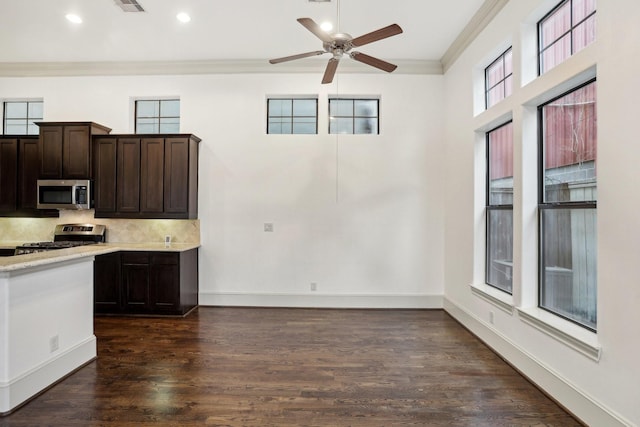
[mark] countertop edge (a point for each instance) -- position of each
(22, 262)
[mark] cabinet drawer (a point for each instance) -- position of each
(165, 258)
(135, 258)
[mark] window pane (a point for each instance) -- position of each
(15, 127)
(279, 107)
(366, 107)
(582, 9)
(33, 129)
(170, 108)
(148, 108)
(570, 143)
(35, 110)
(494, 95)
(568, 285)
(500, 248)
(147, 126)
(556, 53)
(555, 25)
(340, 125)
(584, 34)
(169, 125)
(341, 107)
(279, 125)
(495, 72)
(508, 86)
(366, 125)
(304, 125)
(15, 110)
(500, 168)
(508, 62)
(304, 107)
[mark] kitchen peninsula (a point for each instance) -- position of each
(46, 316)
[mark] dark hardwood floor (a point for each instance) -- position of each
(291, 367)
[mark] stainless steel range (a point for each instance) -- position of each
(67, 236)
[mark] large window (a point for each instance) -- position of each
(158, 116)
(567, 29)
(498, 78)
(567, 209)
(19, 117)
(499, 211)
(354, 116)
(292, 115)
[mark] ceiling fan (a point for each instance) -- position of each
(341, 43)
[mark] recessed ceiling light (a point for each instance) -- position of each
(326, 26)
(72, 17)
(183, 17)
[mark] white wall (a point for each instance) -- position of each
(600, 392)
(360, 216)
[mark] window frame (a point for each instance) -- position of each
(292, 116)
(544, 206)
(501, 82)
(27, 119)
(159, 117)
(495, 207)
(569, 32)
(353, 117)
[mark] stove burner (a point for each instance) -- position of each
(31, 248)
(66, 236)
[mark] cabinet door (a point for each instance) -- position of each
(164, 282)
(135, 282)
(51, 152)
(152, 175)
(176, 175)
(128, 171)
(104, 168)
(76, 152)
(107, 283)
(28, 174)
(8, 175)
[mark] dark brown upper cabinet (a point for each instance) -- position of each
(65, 149)
(19, 160)
(146, 176)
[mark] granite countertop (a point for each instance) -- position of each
(19, 262)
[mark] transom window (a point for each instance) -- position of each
(158, 116)
(499, 209)
(567, 29)
(19, 117)
(353, 116)
(499, 78)
(567, 208)
(292, 116)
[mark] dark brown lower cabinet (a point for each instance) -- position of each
(143, 282)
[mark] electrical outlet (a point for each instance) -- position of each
(268, 227)
(54, 343)
(313, 286)
(167, 240)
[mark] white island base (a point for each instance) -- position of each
(46, 326)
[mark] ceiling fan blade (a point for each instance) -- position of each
(374, 62)
(330, 71)
(310, 25)
(298, 56)
(382, 33)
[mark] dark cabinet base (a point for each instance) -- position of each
(146, 283)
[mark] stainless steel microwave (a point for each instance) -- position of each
(64, 194)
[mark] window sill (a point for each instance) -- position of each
(570, 334)
(500, 299)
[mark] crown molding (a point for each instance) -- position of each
(478, 22)
(251, 66)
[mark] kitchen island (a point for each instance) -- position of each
(46, 316)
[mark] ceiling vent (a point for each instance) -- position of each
(129, 5)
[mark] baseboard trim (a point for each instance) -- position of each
(319, 300)
(20, 390)
(582, 406)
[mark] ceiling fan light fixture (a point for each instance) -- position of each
(326, 26)
(183, 17)
(72, 17)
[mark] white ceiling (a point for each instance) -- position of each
(232, 30)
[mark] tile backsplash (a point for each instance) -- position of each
(118, 230)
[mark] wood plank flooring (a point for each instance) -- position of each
(291, 367)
